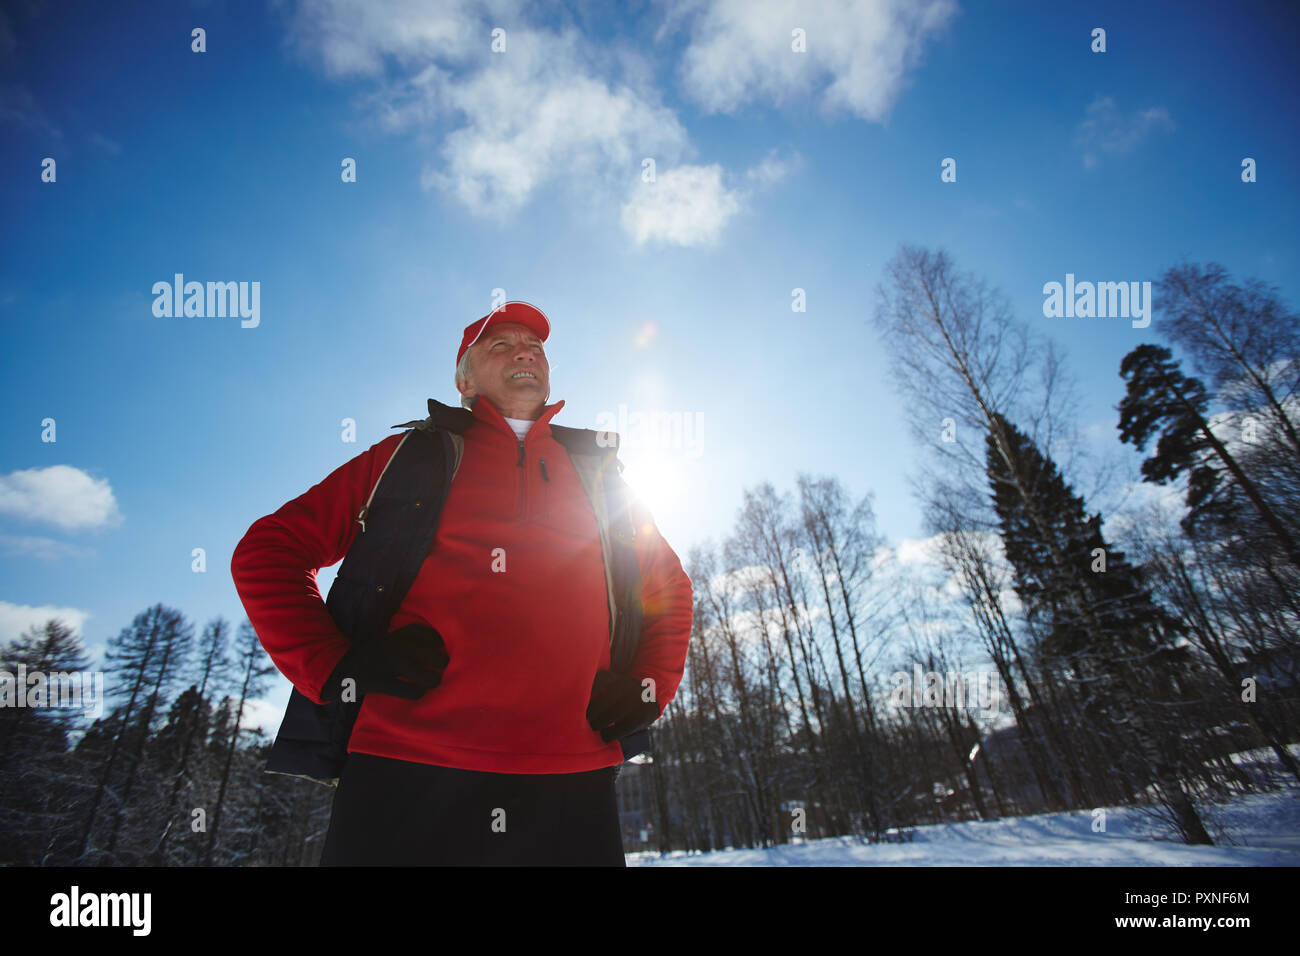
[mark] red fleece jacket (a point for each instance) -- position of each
(514, 582)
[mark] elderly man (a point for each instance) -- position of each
(493, 713)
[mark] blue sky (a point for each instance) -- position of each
(521, 170)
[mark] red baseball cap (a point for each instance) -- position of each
(524, 313)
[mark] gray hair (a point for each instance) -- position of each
(462, 375)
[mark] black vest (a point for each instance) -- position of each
(397, 529)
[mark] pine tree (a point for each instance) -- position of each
(143, 660)
(1097, 617)
(189, 724)
(1160, 399)
(52, 649)
(172, 750)
(256, 667)
(33, 741)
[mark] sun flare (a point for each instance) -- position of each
(656, 483)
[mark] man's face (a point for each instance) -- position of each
(508, 367)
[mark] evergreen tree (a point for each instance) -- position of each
(180, 742)
(256, 668)
(1161, 400)
(144, 659)
(50, 650)
(1096, 616)
(34, 739)
(173, 751)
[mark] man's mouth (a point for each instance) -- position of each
(523, 374)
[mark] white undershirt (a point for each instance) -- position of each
(520, 426)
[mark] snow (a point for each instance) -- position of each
(1260, 829)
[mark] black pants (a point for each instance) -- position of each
(398, 813)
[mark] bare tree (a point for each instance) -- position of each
(956, 346)
(841, 540)
(256, 667)
(1242, 337)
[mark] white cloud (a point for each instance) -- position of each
(263, 715)
(18, 107)
(548, 110)
(15, 619)
(1104, 129)
(922, 560)
(353, 37)
(919, 551)
(858, 52)
(60, 495)
(740, 579)
(772, 169)
(687, 205)
(538, 116)
(43, 549)
(1144, 508)
(414, 102)
(690, 205)
(555, 109)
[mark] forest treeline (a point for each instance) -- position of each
(836, 685)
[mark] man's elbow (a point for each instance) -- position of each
(243, 550)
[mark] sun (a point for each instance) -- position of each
(656, 483)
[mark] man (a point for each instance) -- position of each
(490, 721)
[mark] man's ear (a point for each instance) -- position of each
(466, 388)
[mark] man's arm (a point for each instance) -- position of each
(667, 600)
(274, 568)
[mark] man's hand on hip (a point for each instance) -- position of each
(404, 663)
(619, 705)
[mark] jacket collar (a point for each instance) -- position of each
(458, 419)
(489, 414)
(583, 441)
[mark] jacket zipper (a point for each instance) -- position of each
(523, 483)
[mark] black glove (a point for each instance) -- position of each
(616, 707)
(407, 662)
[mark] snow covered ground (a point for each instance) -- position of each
(1262, 829)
